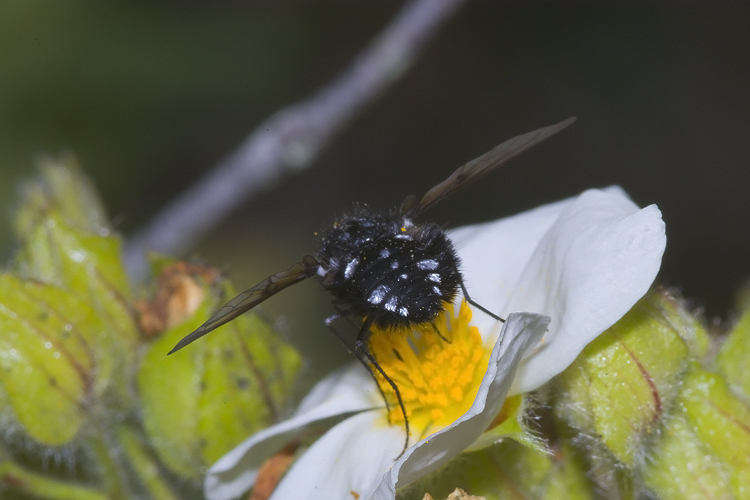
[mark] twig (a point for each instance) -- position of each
(292, 138)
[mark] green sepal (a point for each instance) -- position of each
(509, 470)
(601, 467)
(620, 385)
(511, 425)
(734, 355)
(54, 251)
(681, 469)
(52, 357)
(721, 421)
(88, 265)
(673, 312)
(705, 447)
(63, 187)
(139, 458)
(203, 400)
(61, 225)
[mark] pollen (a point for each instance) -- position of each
(437, 368)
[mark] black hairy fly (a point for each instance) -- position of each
(382, 268)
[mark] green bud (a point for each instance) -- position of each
(90, 267)
(65, 241)
(203, 400)
(63, 187)
(68, 331)
(705, 447)
(721, 421)
(674, 313)
(733, 356)
(510, 470)
(603, 468)
(86, 265)
(51, 360)
(621, 384)
(680, 468)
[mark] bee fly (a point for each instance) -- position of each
(383, 269)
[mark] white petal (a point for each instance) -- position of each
(519, 332)
(494, 255)
(344, 392)
(350, 382)
(589, 269)
(347, 462)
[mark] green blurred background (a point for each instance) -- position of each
(150, 95)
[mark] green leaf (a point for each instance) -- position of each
(51, 357)
(620, 385)
(203, 400)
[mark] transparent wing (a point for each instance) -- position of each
(480, 166)
(252, 297)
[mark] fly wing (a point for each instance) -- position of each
(478, 167)
(252, 297)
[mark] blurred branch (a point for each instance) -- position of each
(292, 138)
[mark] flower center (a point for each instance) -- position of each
(437, 368)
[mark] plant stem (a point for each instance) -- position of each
(15, 477)
(143, 464)
(111, 472)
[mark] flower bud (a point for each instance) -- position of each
(89, 267)
(83, 264)
(619, 387)
(201, 401)
(65, 241)
(63, 187)
(510, 470)
(51, 362)
(704, 450)
(68, 332)
(734, 354)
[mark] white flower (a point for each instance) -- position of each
(583, 262)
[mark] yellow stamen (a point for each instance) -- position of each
(438, 380)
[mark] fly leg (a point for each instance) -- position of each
(354, 351)
(361, 345)
(477, 305)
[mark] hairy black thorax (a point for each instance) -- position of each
(379, 265)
